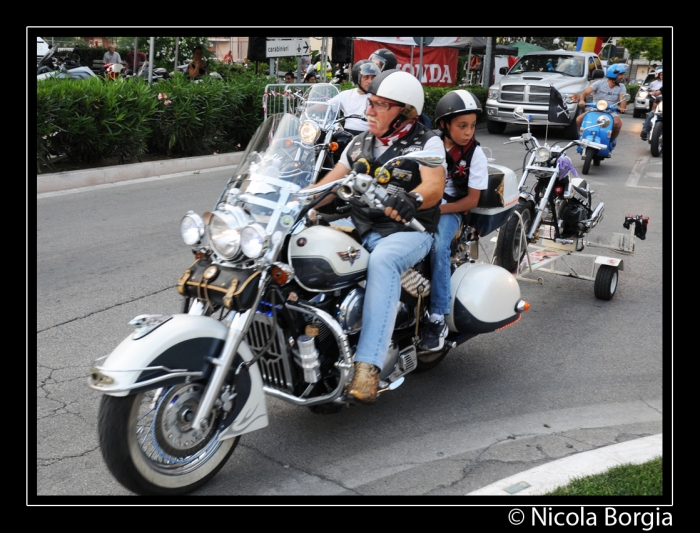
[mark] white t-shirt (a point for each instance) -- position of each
(352, 102)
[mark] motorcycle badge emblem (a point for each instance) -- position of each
(352, 255)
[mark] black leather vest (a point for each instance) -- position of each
(458, 171)
(404, 175)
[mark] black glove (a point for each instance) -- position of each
(403, 203)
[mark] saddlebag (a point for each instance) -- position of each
(219, 285)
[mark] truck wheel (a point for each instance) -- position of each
(571, 131)
(495, 127)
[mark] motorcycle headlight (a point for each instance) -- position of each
(224, 232)
(253, 241)
(192, 228)
(542, 154)
(309, 131)
(602, 105)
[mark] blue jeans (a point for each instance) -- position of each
(391, 256)
(440, 263)
(647, 122)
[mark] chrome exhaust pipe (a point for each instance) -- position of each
(596, 217)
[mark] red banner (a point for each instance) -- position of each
(439, 63)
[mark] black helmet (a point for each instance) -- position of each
(459, 102)
(364, 67)
(384, 59)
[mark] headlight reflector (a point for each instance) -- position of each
(192, 228)
(542, 154)
(224, 231)
(309, 131)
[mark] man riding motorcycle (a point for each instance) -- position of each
(610, 89)
(414, 191)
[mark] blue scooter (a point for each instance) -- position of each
(596, 130)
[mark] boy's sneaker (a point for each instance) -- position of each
(434, 336)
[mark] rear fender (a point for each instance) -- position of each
(484, 298)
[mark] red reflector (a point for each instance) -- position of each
(333, 146)
(558, 190)
(279, 276)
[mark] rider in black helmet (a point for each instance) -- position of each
(384, 59)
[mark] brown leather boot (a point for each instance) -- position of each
(365, 383)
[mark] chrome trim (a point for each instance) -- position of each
(172, 373)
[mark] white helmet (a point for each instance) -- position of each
(401, 87)
(658, 71)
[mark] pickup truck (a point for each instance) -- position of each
(527, 85)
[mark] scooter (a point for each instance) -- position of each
(596, 130)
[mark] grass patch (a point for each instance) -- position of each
(645, 479)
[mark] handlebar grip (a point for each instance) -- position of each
(515, 138)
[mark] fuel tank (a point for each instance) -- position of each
(326, 259)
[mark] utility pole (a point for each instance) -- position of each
(486, 79)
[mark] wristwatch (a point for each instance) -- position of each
(417, 197)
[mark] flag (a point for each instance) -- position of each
(558, 112)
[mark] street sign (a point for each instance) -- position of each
(426, 40)
(287, 47)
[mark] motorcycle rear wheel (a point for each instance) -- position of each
(657, 139)
(148, 446)
(430, 360)
(509, 247)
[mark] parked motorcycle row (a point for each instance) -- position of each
(272, 298)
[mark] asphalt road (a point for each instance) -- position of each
(574, 374)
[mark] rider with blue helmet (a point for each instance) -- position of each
(612, 89)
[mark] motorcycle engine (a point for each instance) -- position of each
(571, 215)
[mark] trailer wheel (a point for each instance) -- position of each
(605, 282)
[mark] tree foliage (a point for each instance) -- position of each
(164, 48)
(651, 48)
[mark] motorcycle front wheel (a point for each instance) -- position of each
(591, 153)
(510, 244)
(149, 446)
(657, 139)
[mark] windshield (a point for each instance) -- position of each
(319, 107)
(276, 164)
(568, 65)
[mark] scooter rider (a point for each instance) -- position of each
(611, 89)
(456, 115)
(655, 90)
(395, 101)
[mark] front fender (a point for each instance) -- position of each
(176, 351)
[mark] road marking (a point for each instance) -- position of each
(639, 170)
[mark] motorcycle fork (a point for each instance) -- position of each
(542, 205)
(236, 333)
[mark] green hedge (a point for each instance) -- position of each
(95, 119)
(90, 120)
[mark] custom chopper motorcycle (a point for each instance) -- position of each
(552, 198)
(272, 305)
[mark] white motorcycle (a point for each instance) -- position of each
(272, 306)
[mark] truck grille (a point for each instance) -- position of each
(523, 94)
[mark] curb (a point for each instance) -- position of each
(61, 181)
(549, 476)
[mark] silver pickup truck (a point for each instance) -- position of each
(527, 84)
